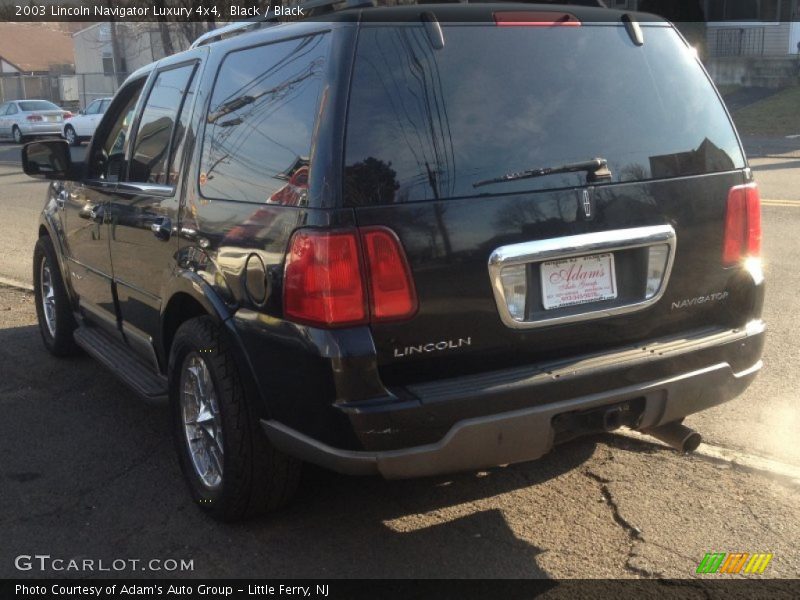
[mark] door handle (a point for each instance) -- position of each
(162, 228)
(61, 199)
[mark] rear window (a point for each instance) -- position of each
(426, 123)
(260, 123)
(30, 105)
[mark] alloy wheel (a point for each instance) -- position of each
(48, 297)
(202, 422)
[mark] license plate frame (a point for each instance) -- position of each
(577, 280)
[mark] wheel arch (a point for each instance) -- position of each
(50, 229)
(189, 297)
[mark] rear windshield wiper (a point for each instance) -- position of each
(596, 170)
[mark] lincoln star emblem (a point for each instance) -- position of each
(587, 204)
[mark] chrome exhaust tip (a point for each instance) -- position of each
(677, 436)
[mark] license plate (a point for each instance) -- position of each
(572, 281)
(51, 119)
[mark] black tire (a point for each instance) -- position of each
(256, 478)
(60, 341)
(76, 141)
(16, 135)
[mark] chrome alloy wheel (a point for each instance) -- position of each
(48, 296)
(202, 423)
(69, 133)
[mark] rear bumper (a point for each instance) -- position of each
(53, 128)
(510, 436)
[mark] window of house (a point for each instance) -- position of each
(744, 10)
(108, 65)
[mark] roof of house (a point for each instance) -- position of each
(35, 46)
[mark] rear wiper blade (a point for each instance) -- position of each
(596, 170)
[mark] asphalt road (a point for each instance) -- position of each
(90, 472)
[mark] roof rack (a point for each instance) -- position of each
(326, 6)
(238, 28)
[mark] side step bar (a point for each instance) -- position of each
(116, 357)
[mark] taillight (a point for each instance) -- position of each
(34, 117)
(742, 224)
(328, 283)
(535, 19)
(68, 115)
(391, 288)
(322, 281)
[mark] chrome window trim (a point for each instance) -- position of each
(579, 245)
(150, 189)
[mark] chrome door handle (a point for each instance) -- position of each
(162, 228)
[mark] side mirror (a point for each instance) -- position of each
(81, 112)
(49, 159)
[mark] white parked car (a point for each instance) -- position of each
(81, 126)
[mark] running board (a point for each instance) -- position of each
(121, 361)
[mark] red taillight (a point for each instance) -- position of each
(34, 117)
(322, 283)
(68, 115)
(535, 19)
(742, 224)
(391, 287)
(325, 283)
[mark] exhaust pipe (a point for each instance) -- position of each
(677, 436)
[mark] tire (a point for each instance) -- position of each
(53, 306)
(16, 133)
(71, 136)
(254, 477)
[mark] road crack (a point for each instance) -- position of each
(634, 533)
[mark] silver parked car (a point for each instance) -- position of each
(20, 119)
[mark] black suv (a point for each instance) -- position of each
(408, 241)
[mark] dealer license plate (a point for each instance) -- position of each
(579, 280)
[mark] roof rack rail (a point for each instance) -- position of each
(240, 27)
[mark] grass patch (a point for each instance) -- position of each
(777, 115)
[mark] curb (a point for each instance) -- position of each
(789, 473)
(15, 283)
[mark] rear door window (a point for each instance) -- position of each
(151, 153)
(428, 123)
(261, 120)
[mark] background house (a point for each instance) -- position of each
(742, 42)
(106, 53)
(33, 59)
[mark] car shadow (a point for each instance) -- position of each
(90, 470)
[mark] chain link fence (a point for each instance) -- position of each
(72, 92)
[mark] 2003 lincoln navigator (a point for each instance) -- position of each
(408, 241)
